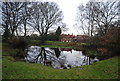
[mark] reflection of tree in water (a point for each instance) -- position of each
(41, 55)
(57, 52)
(48, 56)
(86, 60)
(55, 58)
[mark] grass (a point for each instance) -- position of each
(59, 44)
(12, 69)
(7, 50)
(0, 59)
(55, 46)
(106, 69)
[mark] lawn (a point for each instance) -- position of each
(12, 69)
(58, 44)
(106, 69)
(55, 46)
(0, 59)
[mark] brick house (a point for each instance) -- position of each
(67, 38)
(70, 38)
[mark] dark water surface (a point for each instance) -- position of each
(58, 58)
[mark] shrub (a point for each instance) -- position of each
(19, 45)
(111, 40)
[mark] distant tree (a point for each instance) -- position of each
(80, 18)
(58, 33)
(34, 37)
(55, 36)
(105, 13)
(51, 37)
(85, 18)
(96, 17)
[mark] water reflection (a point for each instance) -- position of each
(58, 58)
(57, 52)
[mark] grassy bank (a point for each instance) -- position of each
(58, 44)
(106, 69)
(12, 69)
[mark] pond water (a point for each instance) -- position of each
(58, 58)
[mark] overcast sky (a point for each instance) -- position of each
(69, 9)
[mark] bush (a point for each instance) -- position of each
(111, 41)
(19, 45)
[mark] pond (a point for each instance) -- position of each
(60, 58)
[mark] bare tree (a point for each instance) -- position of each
(81, 18)
(11, 16)
(105, 13)
(44, 15)
(98, 16)
(90, 17)
(85, 18)
(5, 20)
(25, 17)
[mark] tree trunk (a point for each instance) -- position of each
(25, 30)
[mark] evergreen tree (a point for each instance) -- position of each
(58, 32)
